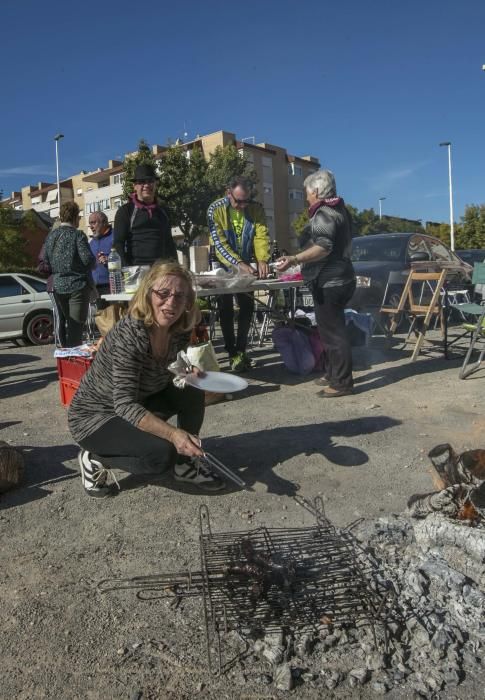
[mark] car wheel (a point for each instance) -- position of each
(39, 328)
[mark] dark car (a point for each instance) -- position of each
(386, 258)
(471, 256)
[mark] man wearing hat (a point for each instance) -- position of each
(142, 229)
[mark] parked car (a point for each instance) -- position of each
(25, 309)
(471, 256)
(387, 257)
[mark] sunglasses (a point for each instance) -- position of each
(144, 182)
(165, 294)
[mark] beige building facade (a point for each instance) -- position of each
(280, 185)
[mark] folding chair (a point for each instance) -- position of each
(475, 328)
(417, 311)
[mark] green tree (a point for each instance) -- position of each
(142, 156)
(12, 244)
(471, 232)
(300, 222)
(184, 190)
(224, 163)
(441, 231)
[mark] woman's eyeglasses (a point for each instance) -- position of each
(165, 294)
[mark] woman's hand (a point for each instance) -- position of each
(196, 371)
(186, 444)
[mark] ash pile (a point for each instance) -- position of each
(394, 605)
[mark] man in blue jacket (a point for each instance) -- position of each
(101, 244)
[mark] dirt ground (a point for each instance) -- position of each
(364, 454)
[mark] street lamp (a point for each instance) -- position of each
(57, 138)
(452, 225)
(381, 199)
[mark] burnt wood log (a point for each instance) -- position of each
(11, 467)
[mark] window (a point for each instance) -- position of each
(296, 194)
(268, 189)
(418, 245)
(9, 287)
(439, 251)
(118, 179)
(117, 203)
(379, 249)
(294, 169)
(268, 162)
(79, 190)
(38, 285)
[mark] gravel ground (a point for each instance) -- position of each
(364, 454)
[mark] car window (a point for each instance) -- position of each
(379, 249)
(417, 244)
(10, 287)
(439, 251)
(38, 285)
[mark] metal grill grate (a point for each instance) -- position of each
(324, 577)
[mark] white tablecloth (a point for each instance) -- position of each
(260, 285)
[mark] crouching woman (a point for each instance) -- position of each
(119, 414)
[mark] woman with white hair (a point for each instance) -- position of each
(326, 244)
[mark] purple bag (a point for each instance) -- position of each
(318, 349)
(295, 349)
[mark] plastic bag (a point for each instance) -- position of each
(204, 357)
(295, 349)
(132, 277)
(221, 278)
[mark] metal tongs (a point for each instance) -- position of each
(217, 466)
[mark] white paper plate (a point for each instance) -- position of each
(217, 381)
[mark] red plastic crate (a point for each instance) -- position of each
(71, 371)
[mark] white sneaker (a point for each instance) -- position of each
(195, 472)
(94, 476)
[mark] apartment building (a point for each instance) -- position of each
(280, 185)
(280, 180)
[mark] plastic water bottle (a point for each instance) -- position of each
(114, 270)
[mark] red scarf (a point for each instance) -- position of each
(329, 202)
(142, 205)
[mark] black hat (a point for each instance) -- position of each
(144, 172)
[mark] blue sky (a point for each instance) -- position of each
(370, 88)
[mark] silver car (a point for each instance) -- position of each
(25, 309)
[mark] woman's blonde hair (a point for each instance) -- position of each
(141, 306)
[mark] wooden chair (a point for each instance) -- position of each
(419, 313)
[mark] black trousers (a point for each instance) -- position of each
(73, 312)
(329, 314)
(121, 445)
(225, 304)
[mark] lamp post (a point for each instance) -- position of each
(381, 199)
(452, 226)
(57, 138)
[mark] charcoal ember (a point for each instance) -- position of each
(380, 688)
(303, 645)
(452, 675)
(282, 677)
(332, 678)
(375, 662)
(264, 679)
(274, 651)
(358, 676)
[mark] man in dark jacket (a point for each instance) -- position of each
(101, 243)
(142, 229)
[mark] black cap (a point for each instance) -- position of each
(145, 171)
